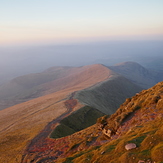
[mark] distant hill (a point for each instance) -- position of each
(54, 79)
(35, 85)
(139, 75)
(31, 86)
(26, 82)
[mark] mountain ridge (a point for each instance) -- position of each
(16, 92)
(31, 86)
(25, 121)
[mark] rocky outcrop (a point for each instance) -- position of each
(108, 132)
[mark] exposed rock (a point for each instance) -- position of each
(100, 126)
(102, 152)
(107, 132)
(130, 146)
(141, 161)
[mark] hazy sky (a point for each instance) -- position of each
(45, 21)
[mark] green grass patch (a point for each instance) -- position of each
(69, 159)
(79, 120)
(138, 140)
(110, 148)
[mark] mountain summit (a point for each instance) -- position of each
(138, 74)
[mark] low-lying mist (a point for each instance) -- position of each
(16, 61)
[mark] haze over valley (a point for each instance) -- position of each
(81, 81)
(16, 61)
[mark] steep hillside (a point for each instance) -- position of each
(103, 95)
(131, 135)
(138, 74)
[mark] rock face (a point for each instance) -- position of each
(107, 132)
(130, 146)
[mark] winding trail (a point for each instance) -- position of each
(41, 146)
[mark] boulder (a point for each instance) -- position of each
(141, 161)
(130, 146)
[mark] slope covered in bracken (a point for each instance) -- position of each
(138, 121)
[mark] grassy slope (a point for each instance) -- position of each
(83, 118)
(144, 128)
(23, 83)
(21, 123)
(108, 95)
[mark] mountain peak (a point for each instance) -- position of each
(136, 73)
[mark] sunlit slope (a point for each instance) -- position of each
(23, 83)
(31, 86)
(22, 122)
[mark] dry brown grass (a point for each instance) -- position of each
(21, 123)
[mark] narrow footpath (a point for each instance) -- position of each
(42, 148)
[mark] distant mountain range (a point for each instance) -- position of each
(34, 85)
(36, 104)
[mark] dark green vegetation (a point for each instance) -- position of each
(77, 121)
(107, 96)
